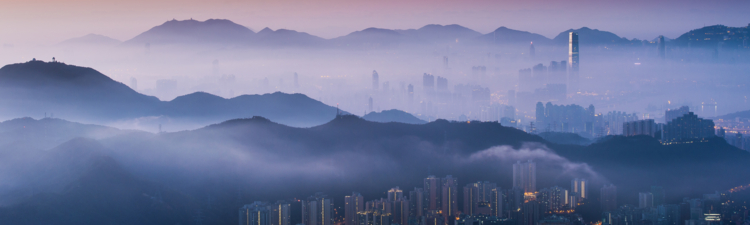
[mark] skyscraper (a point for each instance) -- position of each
(417, 202)
(497, 202)
(645, 200)
(450, 197)
(255, 214)
(432, 192)
(280, 213)
(471, 198)
(578, 187)
(317, 210)
(608, 197)
(524, 176)
(661, 47)
(658, 195)
(395, 194)
(672, 114)
(532, 51)
(354, 204)
(573, 76)
(375, 80)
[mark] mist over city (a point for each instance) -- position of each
(375, 113)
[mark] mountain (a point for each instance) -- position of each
(393, 115)
(372, 38)
(741, 114)
(587, 36)
(711, 36)
(565, 138)
(286, 38)
(84, 94)
(193, 32)
(439, 34)
(24, 132)
(504, 35)
(90, 40)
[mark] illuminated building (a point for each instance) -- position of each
(687, 127)
(556, 198)
(672, 114)
(354, 204)
(432, 192)
(497, 202)
(524, 176)
(471, 197)
(608, 198)
(579, 188)
(573, 76)
(639, 127)
(280, 213)
(255, 214)
(395, 194)
(317, 210)
(449, 198)
(417, 202)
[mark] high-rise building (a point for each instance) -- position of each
(645, 200)
(530, 212)
(280, 213)
(375, 80)
(400, 211)
(471, 198)
(442, 84)
(433, 192)
(672, 114)
(524, 176)
(497, 202)
(639, 127)
(579, 188)
(354, 204)
(317, 210)
(557, 198)
(449, 198)
(395, 194)
(661, 47)
(532, 51)
(573, 76)
(686, 127)
(428, 82)
(657, 192)
(255, 214)
(608, 198)
(417, 202)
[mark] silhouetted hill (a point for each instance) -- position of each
(84, 94)
(93, 40)
(46, 133)
(393, 115)
(286, 38)
(438, 34)
(587, 36)
(741, 114)
(371, 37)
(193, 32)
(565, 138)
(711, 36)
(503, 36)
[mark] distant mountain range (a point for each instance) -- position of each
(84, 94)
(393, 115)
(225, 33)
(91, 40)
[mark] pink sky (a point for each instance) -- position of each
(44, 22)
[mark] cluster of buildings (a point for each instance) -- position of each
(441, 201)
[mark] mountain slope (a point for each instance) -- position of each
(439, 34)
(193, 32)
(587, 36)
(393, 115)
(504, 35)
(83, 94)
(711, 36)
(90, 40)
(286, 38)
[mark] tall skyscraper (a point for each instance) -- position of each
(255, 214)
(428, 82)
(672, 114)
(579, 188)
(417, 205)
(645, 200)
(573, 76)
(395, 194)
(280, 213)
(658, 195)
(317, 210)
(450, 197)
(558, 198)
(497, 202)
(471, 198)
(608, 198)
(524, 176)
(532, 51)
(354, 204)
(662, 47)
(432, 192)
(375, 80)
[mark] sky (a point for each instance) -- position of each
(47, 22)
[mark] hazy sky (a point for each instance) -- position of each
(44, 22)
